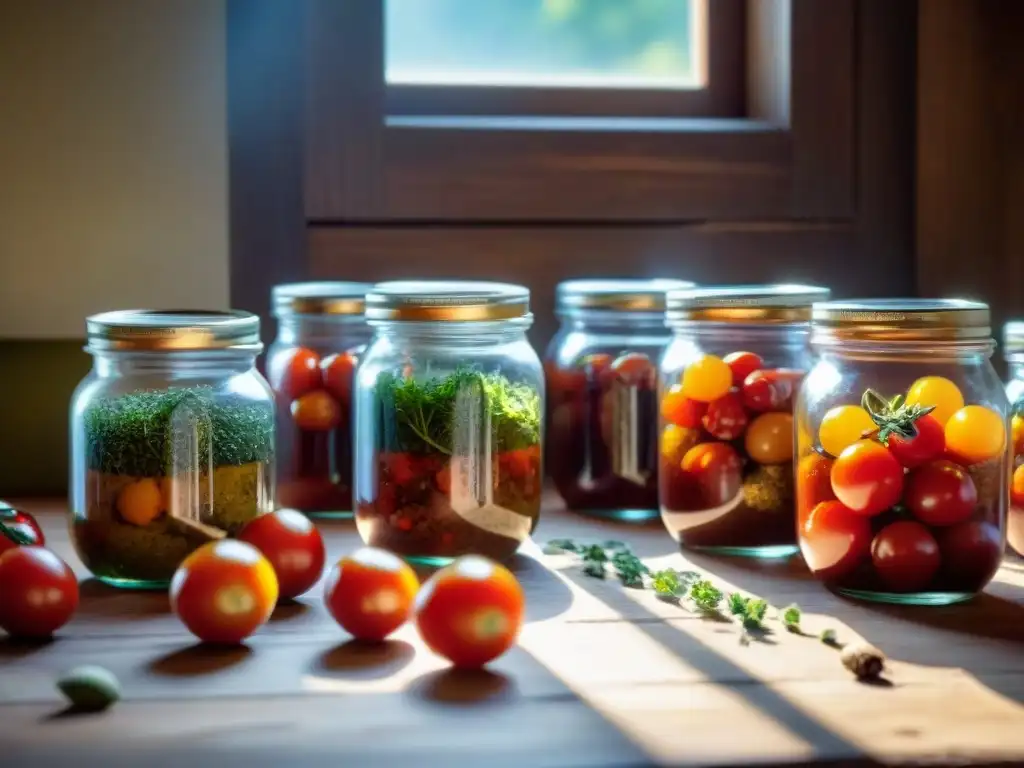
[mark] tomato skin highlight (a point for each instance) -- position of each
(224, 591)
(928, 445)
(678, 409)
(725, 417)
(866, 478)
(370, 593)
(470, 612)
(771, 389)
(770, 438)
(906, 556)
(337, 371)
(295, 372)
(940, 493)
(293, 546)
(38, 592)
(975, 434)
(742, 364)
(834, 540)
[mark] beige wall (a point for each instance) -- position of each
(113, 160)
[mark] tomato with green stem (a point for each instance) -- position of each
(742, 364)
(725, 417)
(292, 544)
(678, 409)
(834, 540)
(940, 493)
(906, 556)
(975, 434)
(927, 445)
(867, 478)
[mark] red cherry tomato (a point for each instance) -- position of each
(725, 418)
(597, 368)
(834, 540)
(678, 409)
(867, 478)
(742, 364)
(316, 412)
(337, 373)
(634, 369)
(971, 553)
(906, 556)
(18, 529)
(714, 471)
(224, 591)
(813, 483)
(470, 612)
(940, 493)
(294, 372)
(929, 444)
(293, 546)
(38, 592)
(771, 390)
(370, 593)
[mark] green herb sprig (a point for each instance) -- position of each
(893, 416)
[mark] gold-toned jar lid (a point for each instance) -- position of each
(617, 295)
(900, 320)
(170, 330)
(780, 303)
(451, 300)
(320, 298)
(1013, 337)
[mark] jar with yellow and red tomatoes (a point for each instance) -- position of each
(1013, 350)
(310, 365)
(904, 459)
(601, 374)
(727, 383)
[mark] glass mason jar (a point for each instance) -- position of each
(727, 384)
(172, 440)
(601, 375)
(449, 417)
(310, 366)
(1013, 350)
(904, 462)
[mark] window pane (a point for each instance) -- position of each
(585, 43)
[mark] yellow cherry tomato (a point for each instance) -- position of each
(939, 392)
(975, 434)
(1017, 430)
(676, 441)
(769, 438)
(707, 379)
(141, 502)
(843, 426)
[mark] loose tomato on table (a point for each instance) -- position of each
(866, 478)
(224, 591)
(18, 529)
(714, 471)
(906, 556)
(742, 364)
(370, 593)
(725, 417)
(843, 426)
(940, 493)
(316, 412)
(337, 371)
(471, 611)
(295, 372)
(940, 393)
(834, 540)
(678, 409)
(293, 546)
(707, 378)
(769, 438)
(38, 592)
(927, 445)
(975, 434)
(772, 389)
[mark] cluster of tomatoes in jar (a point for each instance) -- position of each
(906, 495)
(602, 442)
(314, 442)
(726, 452)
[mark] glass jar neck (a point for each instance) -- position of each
(447, 333)
(1015, 365)
(613, 321)
(202, 363)
(742, 335)
(974, 351)
(295, 329)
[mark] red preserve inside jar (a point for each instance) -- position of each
(311, 367)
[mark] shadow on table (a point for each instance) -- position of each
(358, 660)
(289, 610)
(199, 659)
(18, 648)
(99, 600)
(464, 687)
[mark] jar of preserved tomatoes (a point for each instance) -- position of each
(727, 383)
(1013, 350)
(321, 333)
(904, 461)
(172, 440)
(601, 373)
(449, 413)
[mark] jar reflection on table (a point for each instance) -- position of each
(1013, 350)
(601, 373)
(310, 365)
(449, 419)
(727, 383)
(172, 441)
(903, 451)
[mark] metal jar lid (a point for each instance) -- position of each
(901, 320)
(779, 303)
(319, 298)
(617, 295)
(1013, 338)
(450, 300)
(149, 330)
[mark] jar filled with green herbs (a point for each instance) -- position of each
(172, 440)
(448, 412)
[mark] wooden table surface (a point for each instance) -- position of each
(603, 676)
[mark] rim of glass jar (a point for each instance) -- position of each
(446, 301)
(610, 296)
(710, 329)
(164, 331)
(325, 299)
